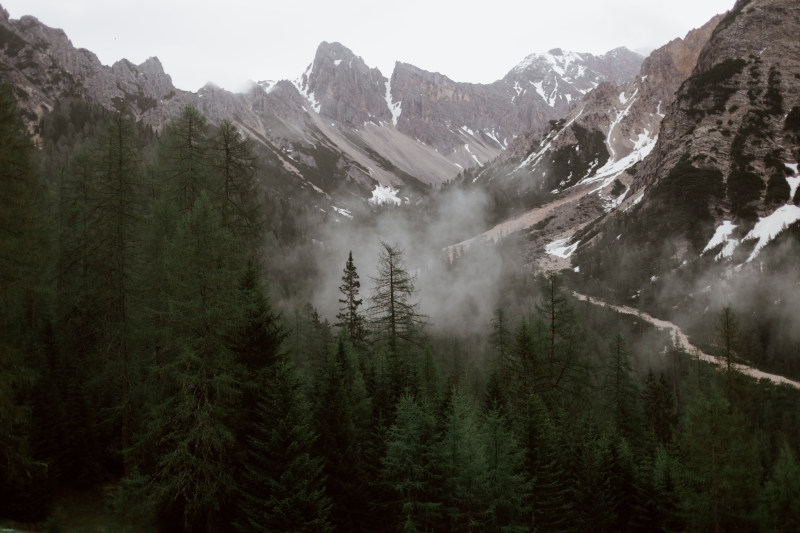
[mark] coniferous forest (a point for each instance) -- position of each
(157, 341)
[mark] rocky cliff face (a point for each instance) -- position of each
(609, 131)
(341, 87)
(721, 181)
(43, 65)
(732, 120)
(541, 88)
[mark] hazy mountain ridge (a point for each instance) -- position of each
(411, 129)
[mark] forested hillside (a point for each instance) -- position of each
(142, 350)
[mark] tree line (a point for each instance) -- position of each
(139, 347)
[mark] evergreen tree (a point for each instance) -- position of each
(463, 463)
(341, 412)
(505, 490)
(120, 205)
(23, 260)
(183, 159)
(257, 334)
(190, 435)
(720, 470)
(500, 337)
(552, 504)
(395, 319)
(350, 319)
(233, 170)
(780, 500)
(666, 512)
(658, 405)
(283, 487)
(411, 467)
(620, 393)
(566, 373)
(523, 368)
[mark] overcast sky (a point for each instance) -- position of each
(232, 41)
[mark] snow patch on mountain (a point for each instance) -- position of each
(301, 84)
(559, 248)
(642, 147)
(384, 195)
(767, 228)
(723, 235)
(394, 107)
(343, 212)
(794, 180)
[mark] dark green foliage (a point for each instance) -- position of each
(395, 319)
(731, 16)
(572, 163)
(720, 470)
(780, 502)
(463, 464)
(712, 83)
(686, 193)
(411, 467)
(552, 503)
(350, 318)
(773, 98)
(505, 491)
(530, 423)
(744, 191)
(23, 267)
(620, 392)
(184, 158)
(341, 418)
(792, 123)
(256, 337)
(283, 488)
(658, 405)
(194, 446)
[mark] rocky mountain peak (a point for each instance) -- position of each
(341, 87)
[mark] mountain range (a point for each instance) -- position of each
(699, 139)
(410, 130)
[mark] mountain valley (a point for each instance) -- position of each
(580, 306)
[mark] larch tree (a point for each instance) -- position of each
(620, 392)
(395, 318)
(190, 435)
(183, 158)
(233, 168)
(566, 373)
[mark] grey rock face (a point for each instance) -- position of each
(731, 114)
(343, 88)
(624, 117)
(417, 127)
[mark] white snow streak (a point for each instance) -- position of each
(559, 248)
(767, 228)
(302, 88)
(642, 147)
(343, 212)
(394, 107)
(793, 181)
(722, 235)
